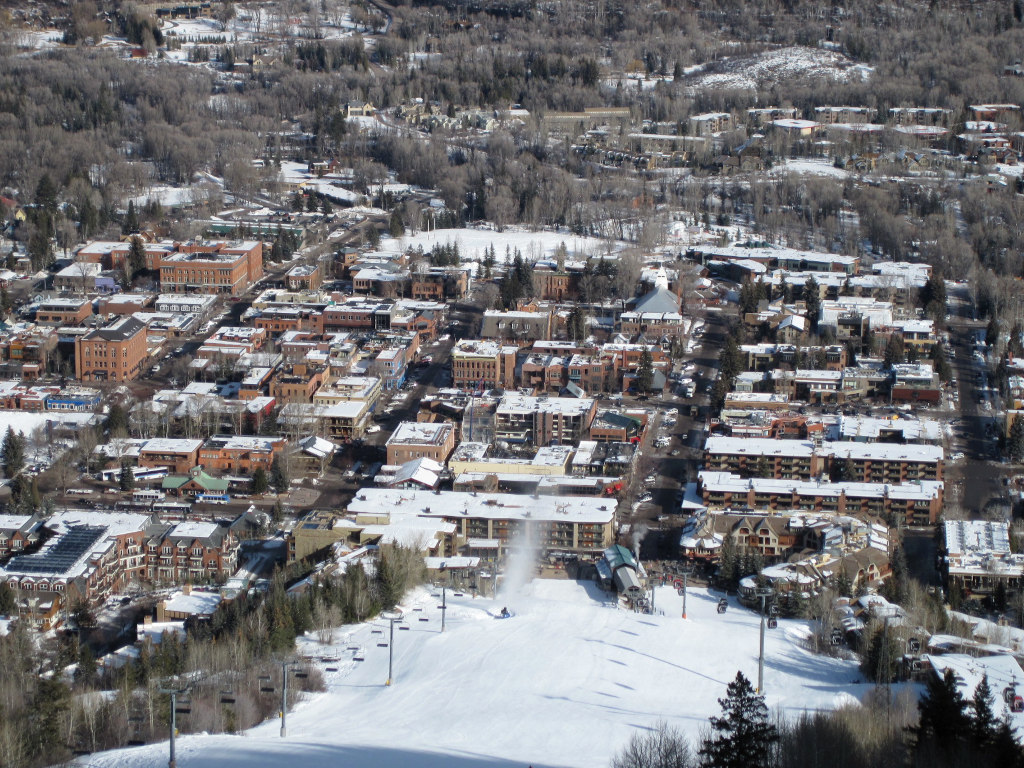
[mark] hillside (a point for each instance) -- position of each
(564, 682)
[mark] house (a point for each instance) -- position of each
(19, 533)
(314, 454)
(359, 109)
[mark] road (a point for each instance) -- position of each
(977, 478)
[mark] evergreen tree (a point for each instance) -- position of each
(12, 452)
(279, 475)
(575, 325)
(894, 351)
(126, 479)
(259, 484)
(879, 661)
(933, 297)
(136, 257)
(117, 421)
(743, 737)
(1005, 751)
(944, 722)
(812, 300)
(1015, 441)
(992, 331)
(46, 194)
(130, 225)
(396, 227)
(645, 372)
(983, 719)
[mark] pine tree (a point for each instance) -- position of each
(130, 225)
(944, 721)
(136, 257)
(12, 452)
(126, 479)
(743, 737)
(279, 475)
(1015, 442)
(645, 372)
(983, 720)
(259, 483)
(812, 300)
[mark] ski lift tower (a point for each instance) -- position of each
(391, 617)
(175, 691)
(763, 593)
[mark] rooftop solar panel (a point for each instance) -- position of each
(62, 555)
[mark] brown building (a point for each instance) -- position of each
(239, 454)
(115, 353)
(304, 277)
(63, 311)
(190, 552)
(221, 267)
(414, 440)
(483, 363)
(174, 455)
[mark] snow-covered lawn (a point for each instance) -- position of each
(564, 682)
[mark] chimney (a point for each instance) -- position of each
(187, 589)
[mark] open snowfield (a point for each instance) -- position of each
(564, 682)
(473, 242)
(779, 65)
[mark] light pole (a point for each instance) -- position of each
(444, 604)
(392, 617)
(763, 593)
(174, 692)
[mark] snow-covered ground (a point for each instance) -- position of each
(810, 167)
(564, 682)
(779, 65)
(474, 241)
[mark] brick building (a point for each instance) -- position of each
(114, 353)
(219, 267)
(414, 440)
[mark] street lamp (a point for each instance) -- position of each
(391, 617)
(763, 593)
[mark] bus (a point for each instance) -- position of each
(172, 509)
(213, 498)
(148, 496)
